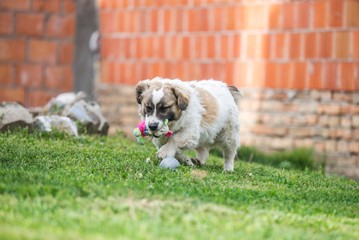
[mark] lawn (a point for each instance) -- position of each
(59, 187)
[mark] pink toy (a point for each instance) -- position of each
(141, 131)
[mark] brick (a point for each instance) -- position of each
(331, 74)
(320, 14)
(351, 18)
(300, 75)
(336, 10)
(253, 49)
(342, 97)
(354, 109)
(12, 50)
(240, 72)
(312, 119)
(254, 17)
(330, 146)
(342, 44)
(354, 147)
(355, 134)
(310, 45)
(324, 120)
(272, 79)
(319, 146)
(169, 20)
(355, 121)
(215, 16)
(301, 132)
(307, 143)
(108, 22)
(343, 146)
(66, 53)
(346, 121)
(154, 19)
(43, 51)
(12, 94)
(281, 45)
(315, 75)
(343, 133)
(5, 74)
(348, 76)
(15, 4)
(325, 96)
(58, 77)
(6, 23)
(285, 74)
(231, 17)
(193, 19)
(332, 109)
(288, 15)
(236, 42)
(61, 26)
(132, 21)
(268, 130)
(325, 45)
(106, 72)
(355, 97)
(275, 16)
(30, 24)
(355, 45)
(295, 45)
(111, 48)
(28, 75)
(69, 6)
(37, 98)
(68, 79)
(52, 6)
(303, 14)
(257, 73)
(105, 4)
(281, 143)
(334, 121)
(181, 25)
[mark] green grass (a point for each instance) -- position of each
(58, 187)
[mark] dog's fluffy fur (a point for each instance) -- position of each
(201, 114)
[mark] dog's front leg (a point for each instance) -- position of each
(167, 150)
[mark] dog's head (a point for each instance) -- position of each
(160, 100)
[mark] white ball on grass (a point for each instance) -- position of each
(170, 163)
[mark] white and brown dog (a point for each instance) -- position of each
(201, 115)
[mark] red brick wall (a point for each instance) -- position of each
(36, 49)
(249, 43)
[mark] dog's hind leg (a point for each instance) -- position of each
(183, 158)
(230, 145)
(229, 154)
(201, 157)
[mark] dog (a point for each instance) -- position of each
(201, 114)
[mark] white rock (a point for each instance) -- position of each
(59, 123)
(14, 115)
(170, 163)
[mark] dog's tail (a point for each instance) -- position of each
(235, 93)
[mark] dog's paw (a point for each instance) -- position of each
(196, 162)
(188, 162)
(165, 152)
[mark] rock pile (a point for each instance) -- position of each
(68, 112)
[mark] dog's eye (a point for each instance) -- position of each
(163, 109)
(149, 109)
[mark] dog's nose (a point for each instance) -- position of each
(153, 126)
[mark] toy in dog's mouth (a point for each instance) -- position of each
(156, 136)
(163, 131)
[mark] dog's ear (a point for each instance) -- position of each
(140, 88)
(182, 95)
